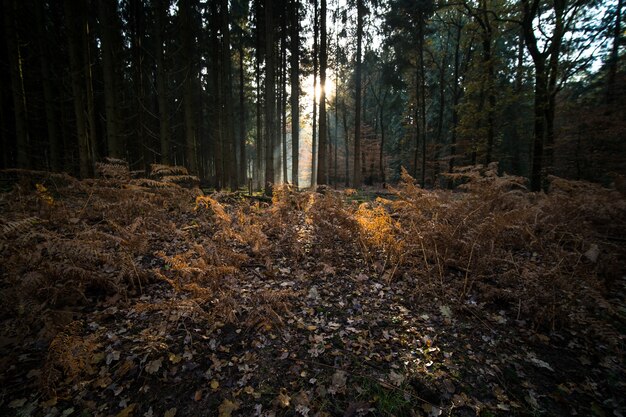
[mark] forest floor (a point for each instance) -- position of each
(124, 297)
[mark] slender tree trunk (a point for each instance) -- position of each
(91, 111)
(230, 169)
(17, 84)
(357, 101)
(54, 144)
(346, 142)
(322, 172)
(614, 57)
(284, 116)
(422, 97)
(541, 98)
(381, 165)
(74, 29)
(270, 97)
(314, 133)
(160, 16)
(259, 125)
(243, 163)
(187, 27)
(295, 92)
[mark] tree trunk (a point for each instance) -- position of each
(422, 97)
(357, 101)
(270, 97)
(314, 133)
(188, 36)
(160, 15)
(243, 163)
(75, 26)
(259, 120)
(54, 142)
(283, 104)
(381, 165)
(346, 135)
(614, 57)
(230, 169)
(323, 138)
(105, 9)
(17, 84)
(295, 92)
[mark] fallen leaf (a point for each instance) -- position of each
(227, 407)
(198, 395)
(446, 312)
(170, 413)
(174, 358)
(154, 366)
(128, 411)
(338, 382)
(396, 379)
(17, 403)
(539, 362)
(283, 399)
(214, 384)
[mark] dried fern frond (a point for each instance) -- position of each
(185, 181)
(159, 170)
(148, 183)
(113, 168)
(15, 227)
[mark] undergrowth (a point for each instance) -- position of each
(546, 258)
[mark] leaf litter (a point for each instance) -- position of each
(419, 304)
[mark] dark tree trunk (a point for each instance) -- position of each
(186, 8)
(243, 162)
(160, 16)
(17, 84)
(357, 105)
(54, 142)
(295, 92)
(283, 101)
(230, 169)
(322, 172)
(270, 97)
(76, 23)
(614, 57)
(107, 12)
(314, 133)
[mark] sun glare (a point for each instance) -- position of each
(330, 87)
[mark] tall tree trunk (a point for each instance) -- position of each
(230, 168)
(137, 56)
(188, 41)
(381, 165)
(314, 133)
(243, 163)
(357, 101)
(258, 160)
(322, 172)
(422, 96)
(17, 83)
(346, 135)
(283, 104)
(91, 109)
(75, 20)
(54, 143)
(160, 15)
(270, 97)
(295, 92)
(614, 57)
(106, 8)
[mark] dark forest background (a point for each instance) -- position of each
(217, 86)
